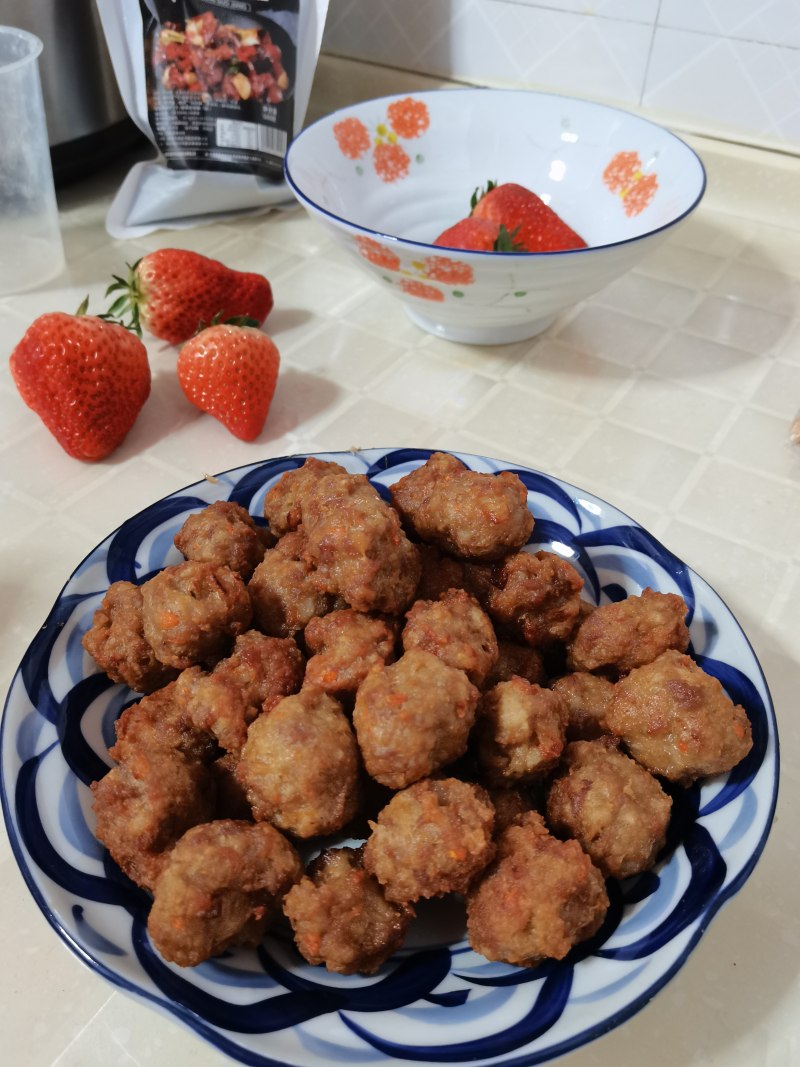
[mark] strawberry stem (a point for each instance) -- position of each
(480, 193)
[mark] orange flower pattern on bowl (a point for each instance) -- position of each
(406, 120)
(624, 177)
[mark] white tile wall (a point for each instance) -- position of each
(729, 68)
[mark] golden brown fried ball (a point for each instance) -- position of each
(586, 698)
(618, 637)
(159, 721)
(457, 630)
(467, 513)
(260, 671)
(678, 721)
(413, 717)
(344, 646)
(193, 611)
(117, 644)
(439, 573)
(283, 504)
(515, 659)
(300, 765)
(145, 803)
(220, 886)
(509, 803)
(535, 595)
(431, 839)
(357, 545)
(340, 916)
(538, 898)
(225, 534)
(282, 590)
(614, 808)
(519, 732)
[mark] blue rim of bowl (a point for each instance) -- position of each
(394, 238)
(190, 1019)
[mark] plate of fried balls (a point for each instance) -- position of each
(387, 755)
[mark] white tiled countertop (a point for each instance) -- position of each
(670, 394)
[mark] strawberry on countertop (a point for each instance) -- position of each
(535, 226)
(230, 371)
(87, 379)
(173, 292)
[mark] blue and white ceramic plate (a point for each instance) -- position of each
(437, 1001)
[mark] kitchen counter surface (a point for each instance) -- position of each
(670, 394)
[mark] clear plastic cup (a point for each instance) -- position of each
(31, 251)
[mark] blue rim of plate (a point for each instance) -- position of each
(306, 200)
(267, 1007)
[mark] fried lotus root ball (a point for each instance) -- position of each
(117, 644)
(630, 633)
(678, 721)
(519, 733)
(344, 646)
(431, 839)
(340, 916)
(220, 886)
(515, 659)
(300, 765)
(193, 611)
(143, 805)
(535, 595)
(586, 698)
(538, 898)
(357, 545)
(457, 630)
(282, 589)
(224, 534)
(283, 503)
(614, 808)
(467, 513)
(413, 717)
(260, 671)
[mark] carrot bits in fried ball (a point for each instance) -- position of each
(340, 916)
(225, 534)
(538, 898)
(466, 513)
(413, 717)
(520, 731)
(678, 721)
(431, 839)
(586, 698)
(220, 886)
(193, 611)
(457, 630)
(630, 633)
(300, 766)
(282, 590)
(344, 646)
(612, 807)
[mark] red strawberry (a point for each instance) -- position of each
(86, 379)
(535, 226)
(230, 372)
(173, 292)
(478, 235)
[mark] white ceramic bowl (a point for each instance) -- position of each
(386, 177)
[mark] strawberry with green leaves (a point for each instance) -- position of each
(173, 292)
(479, 235)
(86, 378)
(535, 226)
(230, 371)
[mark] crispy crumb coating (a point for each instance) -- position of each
(634, 631)
(469, 514)
(614, 808)
(538, 898)
(340, 916)
(413, 717)
(220, 886)
(431, 839)
(678, 721)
